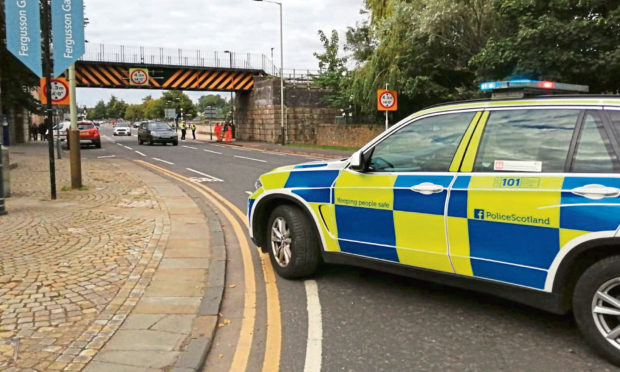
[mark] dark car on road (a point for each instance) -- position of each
(157, 132)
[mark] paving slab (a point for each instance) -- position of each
(148, 359)
(168, 305)
(144, 340)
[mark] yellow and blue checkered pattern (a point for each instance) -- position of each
(493, 227)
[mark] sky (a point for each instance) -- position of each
(243, 26)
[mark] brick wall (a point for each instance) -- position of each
(347, 135)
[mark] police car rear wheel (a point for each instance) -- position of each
(293, 247)
(596, 306)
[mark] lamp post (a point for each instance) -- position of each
(232, 98)
(273, 71)
(281, 71)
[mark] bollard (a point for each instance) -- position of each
(75, 160)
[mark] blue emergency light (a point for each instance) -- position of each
(520, 87)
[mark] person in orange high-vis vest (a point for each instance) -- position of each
(218, 132)
(228, 133)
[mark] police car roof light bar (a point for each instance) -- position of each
(519, 88)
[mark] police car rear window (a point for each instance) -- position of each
(532, 140)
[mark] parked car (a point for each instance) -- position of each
(157, 132)
(122, 130)
(89, 134)
(519, 198)
(60, 130)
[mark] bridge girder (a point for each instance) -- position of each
(116, 75)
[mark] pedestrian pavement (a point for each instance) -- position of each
(264, 146)
(126, 274)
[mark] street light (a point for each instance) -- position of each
(281, 71)
(232, 99)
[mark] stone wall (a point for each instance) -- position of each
(307, 119)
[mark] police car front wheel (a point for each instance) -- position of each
(596, 306)
(293, 245)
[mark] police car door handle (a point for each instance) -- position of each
(596, 192)
(427, 188)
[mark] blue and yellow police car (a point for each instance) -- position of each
(517, 196)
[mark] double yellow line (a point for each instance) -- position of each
(273, 344)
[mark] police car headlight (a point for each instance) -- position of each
(258, 184)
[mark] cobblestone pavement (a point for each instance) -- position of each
(72, 270)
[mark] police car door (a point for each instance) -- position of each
(508, 215)
(394, 210)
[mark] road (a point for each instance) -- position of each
(363, 320)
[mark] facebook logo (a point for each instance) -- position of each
(479, 214)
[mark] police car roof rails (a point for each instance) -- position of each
(520, 88)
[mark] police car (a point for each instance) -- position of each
(516, 196)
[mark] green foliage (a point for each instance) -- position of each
(98, 112)
(334, 74)
(115, 109)
(423, 52)
(222, 108)
(569, 41)
(178, 100)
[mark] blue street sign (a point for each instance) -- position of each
(23, 32)
(67, 33)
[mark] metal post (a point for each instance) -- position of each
(284, 134)
(47, 72)
(2, 206)
(74, 135)
(387, 124)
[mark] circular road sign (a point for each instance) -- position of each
(60, 91)
(139, 76)
(386, 100)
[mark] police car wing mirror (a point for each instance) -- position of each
(356, 161)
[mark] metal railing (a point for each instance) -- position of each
(177, 57)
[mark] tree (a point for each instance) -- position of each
(569, 41)
(424, 51)
(222, 107)
(98, 112)
(134, 112)
(334, 74)
(115, 109)
(178, 100)
(360, 41)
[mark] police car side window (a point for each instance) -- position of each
(594, 152)
(426, 145)
(535, 140)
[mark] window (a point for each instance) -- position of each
(594, 152)
(530, 140)
(426, 145)
(615, 121)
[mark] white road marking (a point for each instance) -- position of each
(127, 147)
(106, 156)
(120, 144)
(214, 152)
(190, 147)
(243, 157)
(315, 328)
(249, 192)
(139, 153)
(163, 161)
(205, 175)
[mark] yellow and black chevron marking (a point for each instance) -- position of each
(117, 76)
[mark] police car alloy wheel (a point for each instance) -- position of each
(596, 305)
(293, 246)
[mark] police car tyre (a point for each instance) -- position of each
(292, 243)
(175, 143)
(596, 307)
